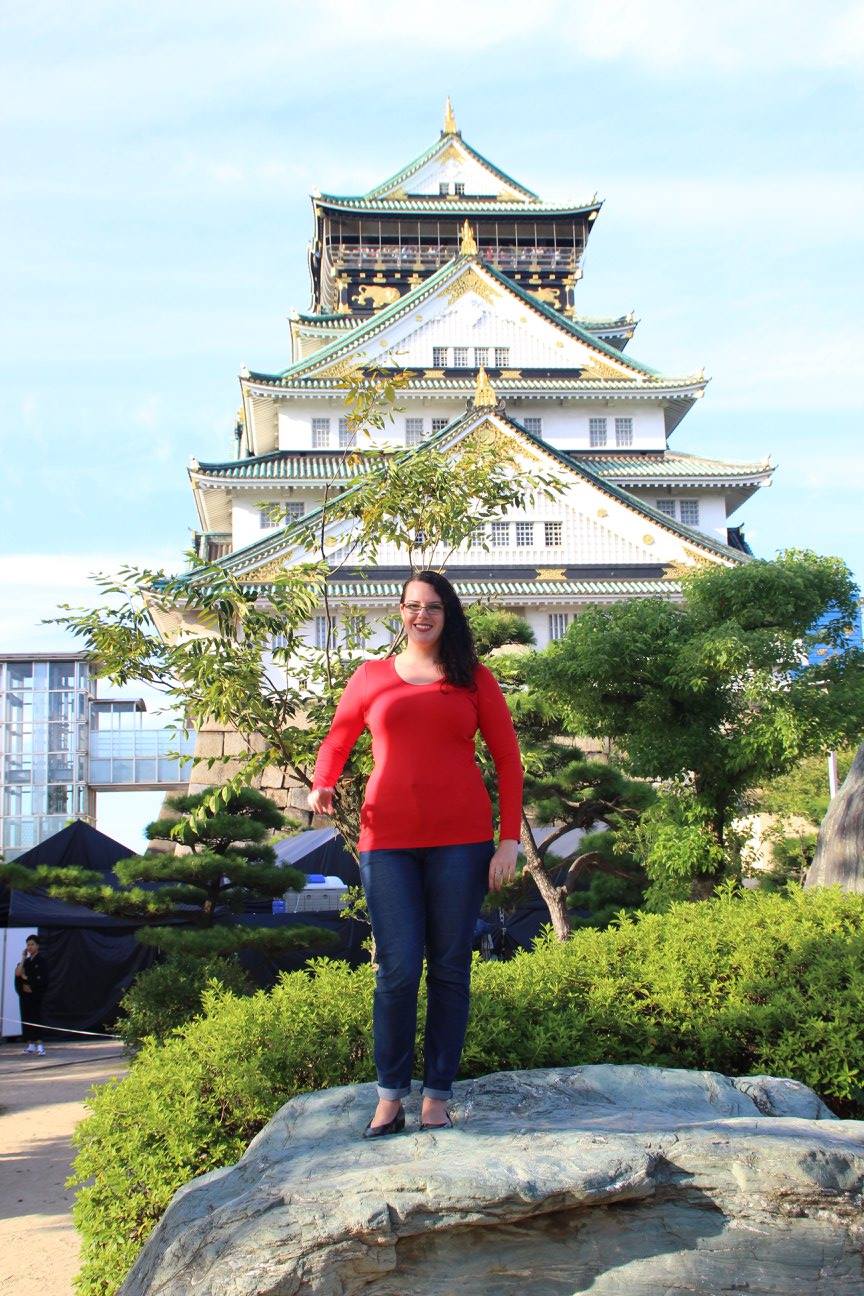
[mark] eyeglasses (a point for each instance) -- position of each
(434, 608)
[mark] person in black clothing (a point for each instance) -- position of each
(30, 978)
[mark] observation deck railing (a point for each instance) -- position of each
(410, 255)
(139, 758)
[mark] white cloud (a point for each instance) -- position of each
(791, 368)
(736, 36)
(81, 62)
(32, 587)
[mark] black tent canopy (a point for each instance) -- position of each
(93, 958)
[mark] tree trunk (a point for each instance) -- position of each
(702, 886)
(839, 857)
(555, 898)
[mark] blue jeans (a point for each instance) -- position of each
(428, 898)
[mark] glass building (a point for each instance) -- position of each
(60, 744)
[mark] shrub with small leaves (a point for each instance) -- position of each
(169, 993)
(750, 982)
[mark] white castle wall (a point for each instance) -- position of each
(564, 426)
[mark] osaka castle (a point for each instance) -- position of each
(467, 283)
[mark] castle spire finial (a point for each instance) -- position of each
(467, 242)
(485, 396)
(450, 127)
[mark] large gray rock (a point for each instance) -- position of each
(602, 1179)
(839, 856)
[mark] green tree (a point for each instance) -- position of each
(183, 899)
(715, 696)
(564, 791)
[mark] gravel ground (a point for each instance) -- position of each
(41, 1102)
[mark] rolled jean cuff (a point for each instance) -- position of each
(392, 1094)
(444, 1094)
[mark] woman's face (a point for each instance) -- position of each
(32, 948)
(422, 614)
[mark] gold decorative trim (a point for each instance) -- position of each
(602, 512)
(467, 243)
(342, 369)
(484, 393)
(451, 154)
(450, 127)
(598, 369)
(648, 539)
(470, 281)
(267, 571)
(551, 574)
(511, 374)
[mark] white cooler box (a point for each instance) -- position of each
(319, 893)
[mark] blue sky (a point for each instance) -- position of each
(157, 163)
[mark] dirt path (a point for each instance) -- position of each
(41, 1102)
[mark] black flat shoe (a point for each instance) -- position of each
(447, 1124)
(395, 1126)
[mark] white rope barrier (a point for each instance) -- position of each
(67, 1030)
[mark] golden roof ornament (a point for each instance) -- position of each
(450, 127)
(467, 243)
(485, 396)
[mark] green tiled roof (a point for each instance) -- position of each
(503, 386)
(374, 589)
(591, 322)
(333, 350)
(674, 464)
(283, 465)
(431, 204)
(292, 465)
(326, 317)
(395, 181)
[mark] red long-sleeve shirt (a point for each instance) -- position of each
(426, 788)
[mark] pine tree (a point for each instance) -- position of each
(186, 901)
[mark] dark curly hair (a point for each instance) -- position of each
(456, 648)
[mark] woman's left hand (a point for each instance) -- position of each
(502, 866)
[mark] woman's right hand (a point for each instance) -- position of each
(321, 801)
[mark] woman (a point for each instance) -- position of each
(30, 986)
(426, 852)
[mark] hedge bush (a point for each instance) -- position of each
(169, 993)
(746, 982)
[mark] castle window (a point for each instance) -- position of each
(481, 357)
(534, 425)
(320, 632)
(666, 506)
(690, 512)
(553, 534)
(477, 538)
(460, 357)
(438, 424)
(443, 188)
(459, 187)
(558, 622)
(294, 509)
(439, 357)
(502, 357)
(524, 535)
(597, 431)
(346, 436)
(413, 431)
(623, 431)
(500, 536)
(267, 516)
(320, 433)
